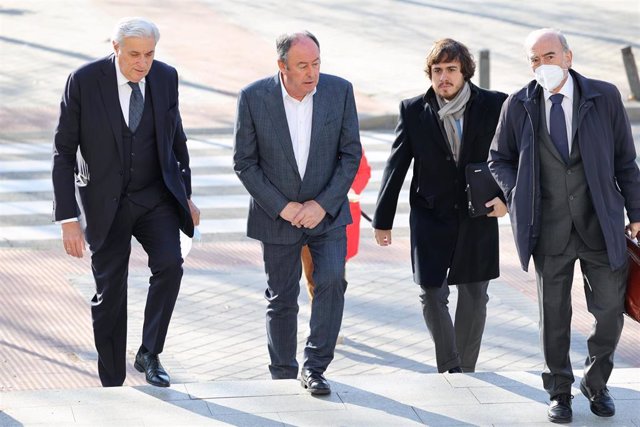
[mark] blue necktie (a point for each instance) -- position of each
(558, 126)
(136, 106)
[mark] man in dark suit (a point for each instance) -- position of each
(565, 160)
(297, 150)
(121, 135)
(442, 131)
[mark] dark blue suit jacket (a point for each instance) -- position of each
(91, 121)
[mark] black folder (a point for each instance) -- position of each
(481, 187)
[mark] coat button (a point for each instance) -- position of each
(571, 197)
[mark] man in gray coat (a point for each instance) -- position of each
(297, 150)
(563, 154)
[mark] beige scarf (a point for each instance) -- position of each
(450, 112)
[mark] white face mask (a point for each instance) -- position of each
(549, 76)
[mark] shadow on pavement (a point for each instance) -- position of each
(358, 397)
(208, 409)
(381, 357)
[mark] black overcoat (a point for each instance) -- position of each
(445, 241)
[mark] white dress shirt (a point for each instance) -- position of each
(124, 92)
(299, 118)
(567, 106)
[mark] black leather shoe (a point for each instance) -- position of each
(600, 402)
(314, 383)
(154, 372)
(455, 370)
(560, 409)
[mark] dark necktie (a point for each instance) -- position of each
(136, 106)
(558, 126)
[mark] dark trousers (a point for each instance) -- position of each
(157, 230)
(283, 269)
(604, 291)
(457, 345)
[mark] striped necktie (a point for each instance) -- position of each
(136, 106)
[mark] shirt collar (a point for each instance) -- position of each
(566, 90)
(122, 80)
(286, 96)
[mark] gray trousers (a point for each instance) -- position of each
(457, 345)
(604, 291)
(284, 268)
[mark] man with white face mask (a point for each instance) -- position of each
(564, 157)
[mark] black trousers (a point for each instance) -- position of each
(604, 291)
(157, 230)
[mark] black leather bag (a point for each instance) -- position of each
(481, 187)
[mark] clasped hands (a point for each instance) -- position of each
(307, 214)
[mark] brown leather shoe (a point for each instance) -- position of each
(314, 383)
(560, 409)
(153, 371)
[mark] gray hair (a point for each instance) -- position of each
(285, 41)
(537, 34)
(135, 27)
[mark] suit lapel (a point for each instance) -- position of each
(109, 90)
(275, 108)
(321, 100)
(576, 104)
(159, 103)
(319, 117)
(429, 122)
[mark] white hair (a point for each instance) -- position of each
(535, 35)
(135, 27)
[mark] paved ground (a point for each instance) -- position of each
(384, 367)
(503, 399)
(220, 313)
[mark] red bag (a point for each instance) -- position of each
(632, 299)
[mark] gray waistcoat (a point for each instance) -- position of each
(566, 201)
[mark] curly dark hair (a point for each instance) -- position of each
(448, 50)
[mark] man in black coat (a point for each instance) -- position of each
(442, 131)
(565, 159)
(120, 143)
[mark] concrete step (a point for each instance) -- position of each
(485, 398)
